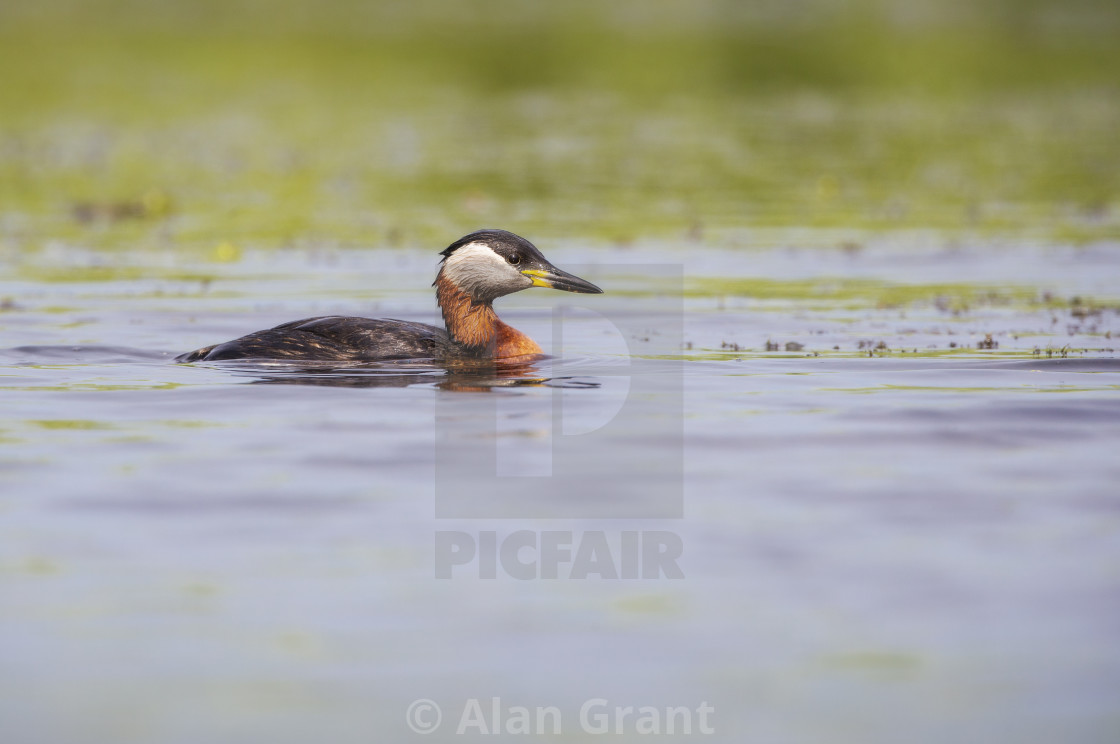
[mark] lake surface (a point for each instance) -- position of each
(888, 533)
(853, 378)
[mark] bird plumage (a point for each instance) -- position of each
(475, 270)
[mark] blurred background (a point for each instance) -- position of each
(898, 223)
(185, 124)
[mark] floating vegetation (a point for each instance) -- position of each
(361, 123)
(154, 203)
(954, 299)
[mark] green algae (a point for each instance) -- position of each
(846, 292)
(136, 127)
(70, 424)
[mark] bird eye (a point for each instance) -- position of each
(514, 259)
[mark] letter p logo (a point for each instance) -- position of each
(600, 431)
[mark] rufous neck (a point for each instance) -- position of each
(471, 323)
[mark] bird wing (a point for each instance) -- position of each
(333, 338)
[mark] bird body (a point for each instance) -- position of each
(475, 270)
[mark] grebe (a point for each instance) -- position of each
(475, 270)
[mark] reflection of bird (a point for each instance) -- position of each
(476, 270)
(457, 378)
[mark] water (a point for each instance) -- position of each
(856, 358)
(903, 537)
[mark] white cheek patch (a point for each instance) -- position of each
(474, 256)
(476, 268)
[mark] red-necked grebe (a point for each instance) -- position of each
(475, 270)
